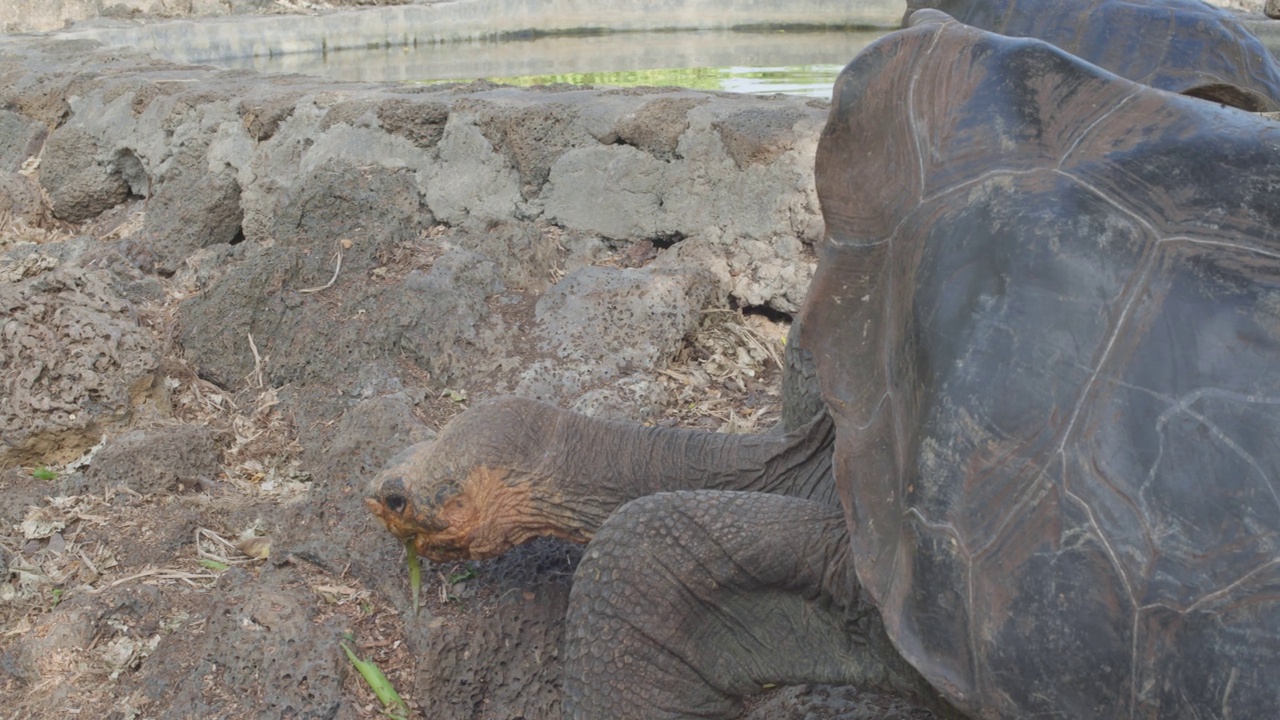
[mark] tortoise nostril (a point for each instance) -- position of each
(396, 502)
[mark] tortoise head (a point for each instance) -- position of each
(469, 494)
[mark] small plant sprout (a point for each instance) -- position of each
(415, 572)
(393, 706)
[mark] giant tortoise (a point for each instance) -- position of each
(1043, 478)
(1183, 46)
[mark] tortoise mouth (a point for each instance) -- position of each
(435, 540)
(398, 521)
(477, 518)
(438, 549)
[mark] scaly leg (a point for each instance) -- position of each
(687, 601)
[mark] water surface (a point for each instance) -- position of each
(801, 63)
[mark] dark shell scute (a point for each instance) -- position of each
(1049, 336)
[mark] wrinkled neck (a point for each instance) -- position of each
(590, 467)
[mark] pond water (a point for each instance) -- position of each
(800, 63)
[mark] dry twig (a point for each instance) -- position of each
(332, 280)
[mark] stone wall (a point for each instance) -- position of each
(236, 190)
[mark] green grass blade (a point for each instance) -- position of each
(415, 573)
(377, 682)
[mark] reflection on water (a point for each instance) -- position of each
(809, 80)
(802, 63)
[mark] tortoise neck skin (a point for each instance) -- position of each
(591, 467)
(509, 470)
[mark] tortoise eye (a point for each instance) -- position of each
(395, 502)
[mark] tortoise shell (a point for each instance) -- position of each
(1046, 322)
(1182, 46)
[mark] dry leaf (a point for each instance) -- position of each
(255, 547)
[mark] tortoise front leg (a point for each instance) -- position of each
(687, 601)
